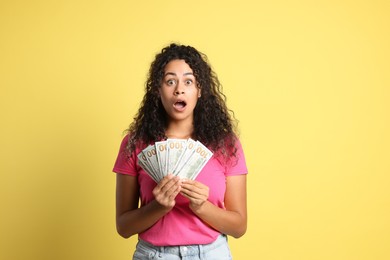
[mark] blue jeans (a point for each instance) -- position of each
(217, 250)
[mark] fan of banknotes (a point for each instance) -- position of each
(181, 157)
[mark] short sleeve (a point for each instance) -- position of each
(125, 163)
(237, 166)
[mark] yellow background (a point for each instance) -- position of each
(308, 80)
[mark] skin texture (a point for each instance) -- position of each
(179, 84)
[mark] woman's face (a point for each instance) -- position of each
(179, 91)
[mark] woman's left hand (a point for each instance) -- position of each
(196, 192)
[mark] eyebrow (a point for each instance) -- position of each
(174, 74)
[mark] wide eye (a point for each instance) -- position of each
(188, 82)
(171, 82)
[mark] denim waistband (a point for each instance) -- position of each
(185, 249)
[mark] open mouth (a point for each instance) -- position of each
(180, 104)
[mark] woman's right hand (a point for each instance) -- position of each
(131, 219)
(166, 191)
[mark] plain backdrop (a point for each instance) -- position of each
(308, 81)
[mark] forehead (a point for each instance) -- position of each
(178, 67)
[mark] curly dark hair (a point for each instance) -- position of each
(214, 124)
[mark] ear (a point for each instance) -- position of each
(199, 93)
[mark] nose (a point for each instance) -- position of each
(177, 92)
(179, 89)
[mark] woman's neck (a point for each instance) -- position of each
(179, 130)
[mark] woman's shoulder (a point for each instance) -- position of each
(138, 146)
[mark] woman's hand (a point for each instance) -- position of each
(230, 220)
(131, 219)
(196, 192)
(166, 191)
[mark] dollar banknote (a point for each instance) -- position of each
(187, 153)
(151, 158)
(143, 162)
(176, 148)
(182, 157)
(198, 159)
(162, 157)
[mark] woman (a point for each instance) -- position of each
(177, 218)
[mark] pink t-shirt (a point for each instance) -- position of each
(181, 226)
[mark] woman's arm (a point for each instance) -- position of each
(132, 220)
(230, 221)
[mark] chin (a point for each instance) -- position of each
(180, 117)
